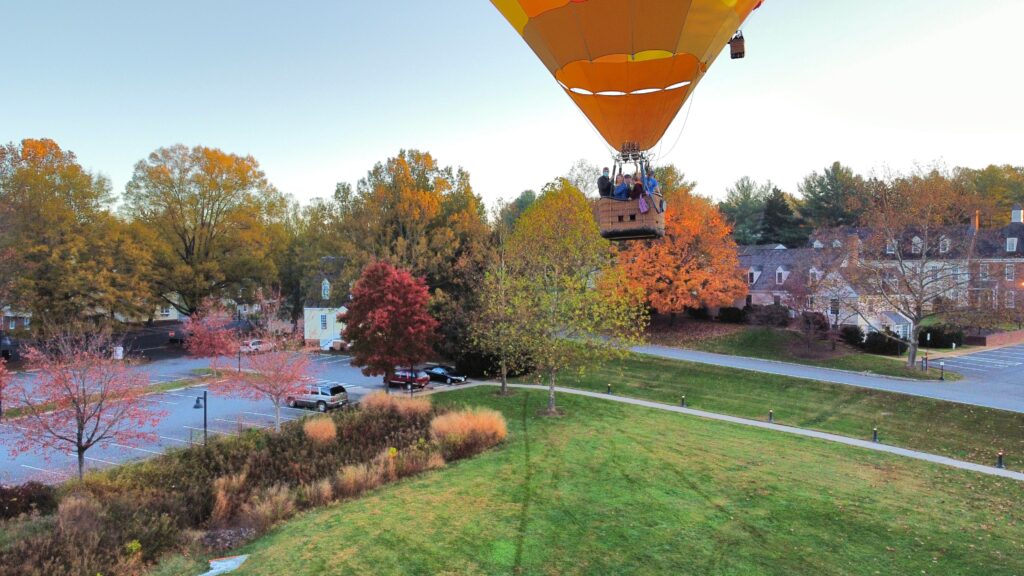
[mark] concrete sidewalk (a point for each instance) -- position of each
(999, 395)
(866, 444)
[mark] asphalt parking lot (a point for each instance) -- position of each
(182, 424)
(987, 362)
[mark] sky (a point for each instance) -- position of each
(319, 91)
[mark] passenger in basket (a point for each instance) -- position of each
(651, 185)
(638, 188)
(623, 186)
(604, 184)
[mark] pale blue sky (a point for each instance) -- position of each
(319, 91)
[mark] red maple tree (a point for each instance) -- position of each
(387, 323)
(210, 334)
(79, 398)
(5, 378)
(275, 375)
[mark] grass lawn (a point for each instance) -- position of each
(957, 430)
(615, 489)
(789, 346)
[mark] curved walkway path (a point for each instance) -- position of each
(990, 393)
(990, 470)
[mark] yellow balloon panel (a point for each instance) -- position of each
(603, 52)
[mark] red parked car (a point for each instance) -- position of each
(405, 377)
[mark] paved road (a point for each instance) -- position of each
(866, 444)
(1001, 387)
(183, 423)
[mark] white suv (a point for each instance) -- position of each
(322, 398)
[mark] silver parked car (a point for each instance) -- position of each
(322, 398)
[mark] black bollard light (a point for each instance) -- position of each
(682, 401)
(609, 389)
(999, 460)
(771, 416)
(874, 435)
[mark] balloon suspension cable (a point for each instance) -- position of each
(686, 120)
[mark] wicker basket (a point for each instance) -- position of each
(622, 220)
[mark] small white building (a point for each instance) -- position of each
(321, 326)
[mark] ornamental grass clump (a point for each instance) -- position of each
(405, 406)
(320, 430)
(468, 432)
(268, 507)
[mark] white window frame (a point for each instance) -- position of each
(323, 321)
(1011, 299)
(1011, 272)
(944, 245)
(916, 245)
(1011, 244)
(12, 324)
(837, 244)
(26, 321)
(780, 277)
(890, 247)
(751, 278)
(983, 272)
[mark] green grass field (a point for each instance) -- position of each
(957, 430)
(783, 345)
(616, 489)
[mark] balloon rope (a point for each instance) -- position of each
(686, 119)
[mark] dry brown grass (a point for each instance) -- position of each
(268, 507)
(317, 493)
(468, 432)
(408, 407)
(320, 430)
(228, 496)
(355, 479)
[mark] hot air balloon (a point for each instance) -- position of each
(629, 65)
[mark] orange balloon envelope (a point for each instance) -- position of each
(628, 64)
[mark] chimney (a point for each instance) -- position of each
(976, 223)
(1017, 215)
(853, 245)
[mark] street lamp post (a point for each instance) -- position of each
(942, 370)
(201, 403)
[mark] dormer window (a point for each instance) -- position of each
(325, 290)
(944, 245)
(750, 278)
(837, 244)
(1011, 244)
(890, 247)
(916, 245)
(818, 245)
(780, 277)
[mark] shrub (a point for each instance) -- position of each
(407, 407)
(469, 432)
(698, 313)
(25, 499)
(354, 479)
(268, 507)
(732, 315)
(884, 344)
(416, 459)
(943, 336)
(852, 335)
(228, 495)
(320, 430)
(319, 493)
(770, 316)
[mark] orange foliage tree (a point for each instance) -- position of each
(693, 266)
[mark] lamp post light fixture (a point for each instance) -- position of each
(942, 370)
(201, 402)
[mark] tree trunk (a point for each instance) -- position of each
(81, 462)
(277, 416)
(911, 355)
(672, 319)
(504, 379)
(552, 410)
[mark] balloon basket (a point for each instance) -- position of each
(622, 219)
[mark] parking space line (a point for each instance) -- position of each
(134, 448)
(214, 430)
(174, 439)
(241, 423)
(43, 470)
(269, 415)
(101, 460)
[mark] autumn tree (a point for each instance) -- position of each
(997, 188)
(510, 212)
(387, 323)
(585, 311)
(505, 323)
(276, 375)
(210, 332)
(918, 258)
(836, 197)
(673, 182)
(417, 215)
(81, 398)
(68, 259)
(695, 265)
(5, 379)
(583, 176)
(301, 262)
(216, 218)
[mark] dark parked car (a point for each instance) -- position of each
(446, 374)
(8, 348)
(403, 378)
(322, 398)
